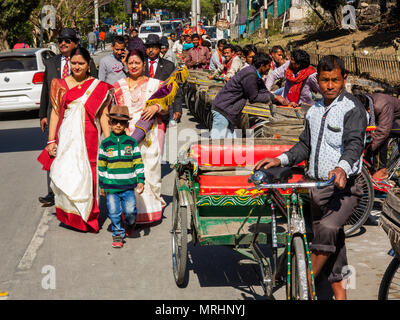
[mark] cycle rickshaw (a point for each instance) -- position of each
(220, 201)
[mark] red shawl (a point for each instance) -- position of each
(227, 65)
(297, 82)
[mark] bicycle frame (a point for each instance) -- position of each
(295, 218)
(368, 164)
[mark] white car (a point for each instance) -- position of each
(167, 27)
(150, 28)
(21, 78)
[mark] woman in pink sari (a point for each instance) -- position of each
(79, 116)
(133, 92)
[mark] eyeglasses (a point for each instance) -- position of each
(67, 41)
(114, 122)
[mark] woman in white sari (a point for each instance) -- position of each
(79, 116)
(133, 92)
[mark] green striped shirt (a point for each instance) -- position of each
(120, 164)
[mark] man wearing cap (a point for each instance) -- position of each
(161, 69)
(135, 43)
(57, 67)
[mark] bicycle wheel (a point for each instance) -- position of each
(389, 288)
(179, 238)
(364, 207)
(299, 286)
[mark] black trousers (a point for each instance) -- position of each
(330, 209)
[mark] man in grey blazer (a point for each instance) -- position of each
(57, 67)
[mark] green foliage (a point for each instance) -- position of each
(115, 11)
(209, 8)
(14, 20)
(15, 10)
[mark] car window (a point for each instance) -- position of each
(16, 64)
(150, 29)
(47, 55)
(167, 27)
(212, 32)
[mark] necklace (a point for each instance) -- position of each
(133, 87)
(79, 84)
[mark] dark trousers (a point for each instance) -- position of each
(330, 209)
(380, 154)
(46, 132)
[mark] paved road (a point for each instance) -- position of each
(43, 260)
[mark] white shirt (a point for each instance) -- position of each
(155, 64)
(63, 64)
(178, 47)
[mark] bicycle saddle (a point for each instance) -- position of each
(271, 175)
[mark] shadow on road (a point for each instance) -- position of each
(24, 139)
(21, 115)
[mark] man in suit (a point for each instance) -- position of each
(57, 67)
(161, 69)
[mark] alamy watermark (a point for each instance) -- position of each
(49, 280)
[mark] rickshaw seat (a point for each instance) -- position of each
(230, 185)
(243, 157)
(234, 155)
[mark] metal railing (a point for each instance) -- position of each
(379, 67)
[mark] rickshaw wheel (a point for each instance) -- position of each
(364, 207)
(388, 289)
(299, 288)
(179, 238)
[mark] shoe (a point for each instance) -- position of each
(47, 200)
(118, 242)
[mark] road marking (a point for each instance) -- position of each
(37, 240)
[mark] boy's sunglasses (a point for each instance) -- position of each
(114, 122)
(67, 41)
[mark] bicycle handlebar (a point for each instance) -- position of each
(318, 184)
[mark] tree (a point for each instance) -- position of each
(209, 8)
(14, 13)
(75, 14)
(334, 7)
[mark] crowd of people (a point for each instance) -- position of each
(79, 105)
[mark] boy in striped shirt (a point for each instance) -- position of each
(121, 170)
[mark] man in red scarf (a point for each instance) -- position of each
(300, 79)
(232, 65)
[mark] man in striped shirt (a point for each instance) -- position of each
(121, 170)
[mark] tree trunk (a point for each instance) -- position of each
(275, 9)
(337, 16)
(3, 40)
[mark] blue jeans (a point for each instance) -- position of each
(91, 48)
(279, 91)
(221, 127)
(121, 202)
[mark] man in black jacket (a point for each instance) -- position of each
(161, 69)
(57, 67)
(247, 84)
